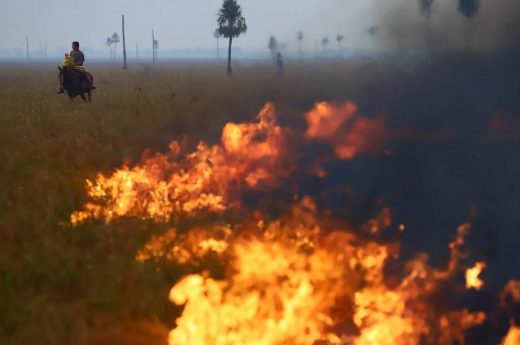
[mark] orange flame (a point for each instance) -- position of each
(291, 281)
(299, 279)
(473, 280)
(164, 185)
(342, 127)
(510, 297)
(512, 337)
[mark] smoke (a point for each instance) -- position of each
(418, 26)
(445, 25)
(425, 7)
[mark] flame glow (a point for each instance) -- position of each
(473, 280)
(348, 132)
(512, 337)
(301, 278)
(201, 181)
(294, 281)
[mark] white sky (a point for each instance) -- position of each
(179, 24)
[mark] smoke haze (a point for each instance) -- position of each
(189, 25)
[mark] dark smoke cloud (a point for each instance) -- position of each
(425, 7)
(469, 8)
(447, 25)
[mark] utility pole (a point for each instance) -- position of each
(137, 52)
(124, 41)
(153, 46)
(27, 46)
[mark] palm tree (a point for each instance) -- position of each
(115, 40)
(299, 36)
(155, 48)
(469, 8)
(324, 42)
(216, 35)
(231, 24)
(339, 38)
(273, 47)
(109, 42)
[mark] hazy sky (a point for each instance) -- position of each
(188, 24)
(178, 24)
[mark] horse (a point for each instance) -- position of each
(76, 83)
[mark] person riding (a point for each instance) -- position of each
(76, 58)
(77, 55)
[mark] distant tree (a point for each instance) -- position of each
(273, 47)
(155, 48)
(372, 30)
(216, 35)
(469, 8)
(325, 42)
(109, 42)
(115, 41)
(299, 36)
(153, 45)
(231, 24)
(339, 39)
(425, 7)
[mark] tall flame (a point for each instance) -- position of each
(201, 181)
(297, 279)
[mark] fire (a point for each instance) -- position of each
(299, 278)
(282, 285)
(325, 119)
(294, 280)
(510, 299)
(201, 181)
(512, 337)
(348, 132)
(210, 179)
(473, 280)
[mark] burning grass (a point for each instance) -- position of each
(315, 284)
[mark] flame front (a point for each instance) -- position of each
(299, 278)
(296, 281)
(199, 182)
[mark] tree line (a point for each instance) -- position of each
(231, 24)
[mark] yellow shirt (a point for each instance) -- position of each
(67, 61)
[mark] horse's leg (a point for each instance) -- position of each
(83, 96)
(89, 96)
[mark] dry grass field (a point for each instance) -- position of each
(82, 285)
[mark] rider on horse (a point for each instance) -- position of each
(76, 59)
